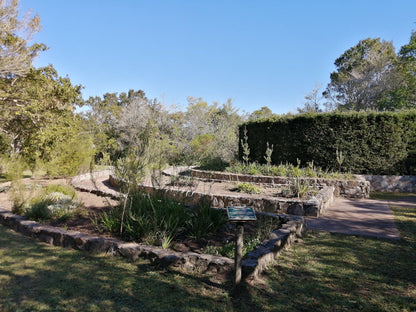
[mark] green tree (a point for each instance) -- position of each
(212, 129)
(37, 119)
(366, 75)
(405, 95)
(118, 122)
(15, 54)
(31, 104)
(261, 113)
(104, 122)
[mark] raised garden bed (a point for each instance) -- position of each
(221, 194)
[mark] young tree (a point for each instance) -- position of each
(313, 101)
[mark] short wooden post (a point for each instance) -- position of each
(239, 215)
(238, 253)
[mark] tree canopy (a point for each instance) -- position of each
(37, 106)
(15, 54)
(369, 76)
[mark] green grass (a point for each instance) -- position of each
(323, 272)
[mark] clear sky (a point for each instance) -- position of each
(258, 53)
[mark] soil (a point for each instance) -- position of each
(93, 206)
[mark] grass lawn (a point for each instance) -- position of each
(323, 272)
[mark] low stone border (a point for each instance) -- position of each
(293, 206)
(359, 188)
(269, 250)
(252, 267)
(77, 183)
(81, 241)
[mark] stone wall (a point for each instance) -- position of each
(386, 183)
(313, 207)
(359, 188)
(252, 267)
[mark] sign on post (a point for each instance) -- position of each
(239, 215)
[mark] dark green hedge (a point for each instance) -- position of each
(372, 143)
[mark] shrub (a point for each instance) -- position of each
(249, 188)
(287, 170)
(153, 218)
(204, 220)
(55, 202)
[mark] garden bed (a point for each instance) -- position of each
(222, 193)
(81, 233)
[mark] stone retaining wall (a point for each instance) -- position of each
(81, 241)
(359, 188)
(313, 207)
(386, 183)
(252, 267)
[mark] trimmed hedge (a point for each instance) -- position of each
(371, 143)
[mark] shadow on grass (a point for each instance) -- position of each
(324, 272)
(38, 277)
(334, 272)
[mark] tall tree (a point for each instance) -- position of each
(405, 95)
(210, 131)
(366, 74)
(15, 34)
(37, 119)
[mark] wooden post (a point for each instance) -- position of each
(238, 253)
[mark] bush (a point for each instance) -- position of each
(249, 188)
(55, 202)
(149, 218)
(286, 170)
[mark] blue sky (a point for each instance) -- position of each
(258, 53)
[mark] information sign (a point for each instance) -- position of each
(240, 214)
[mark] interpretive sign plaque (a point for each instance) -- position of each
(241, 214)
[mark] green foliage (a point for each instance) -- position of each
(39, 211)
(370, 76)
(285, 170)
(245, 187)
(70, 154)
(204, 220)
(157, 219)
(245, 147)
(62, 189)
(14, 168)
(33, 108)
(54, 202)
(301, 187)
(374, 143)
(268, 156)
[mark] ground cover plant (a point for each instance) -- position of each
(323, 272)
(54, 202)
(285, 170)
